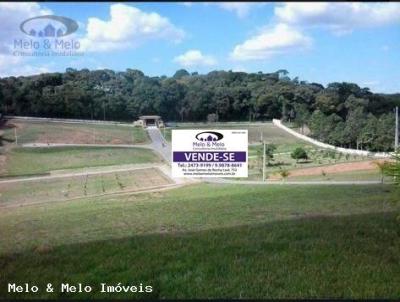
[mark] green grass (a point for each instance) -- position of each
(289, 259)
(317, 158)
(212, 241)
(282, 148)
(24, 161)
(285, 144)
(47, 132)
(342, 176)
(270, 133)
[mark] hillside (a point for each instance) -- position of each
(341, 113)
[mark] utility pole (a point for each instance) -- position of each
(263, 162)
(396, 138)
(15, 134)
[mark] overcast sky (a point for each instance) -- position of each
(318, 42)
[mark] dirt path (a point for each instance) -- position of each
(86, 171)
(41, 145)
(284, 183)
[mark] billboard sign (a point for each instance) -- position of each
(209, 153)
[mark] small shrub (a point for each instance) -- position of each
(284, 173)
(299, 153)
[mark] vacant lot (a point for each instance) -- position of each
(66, 188)
(319, 162)
(285, 144)
(26, 161)
(369, 175)
(50, 132)
(207, 241)
(340, 168)
(265, 131)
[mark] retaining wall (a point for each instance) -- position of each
(279, 124)
(63, 120)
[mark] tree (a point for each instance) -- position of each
(173, 93)
(353, 103)
(269, 153)
(382, 166)
(317, 124)
(338, 136)
(179, 74)
(284, 174)
(322, 126)
(385, 133)
(298, 154)
(302, 116)
(341, 114)
(285, 111)
(368, 134)
(328, 101)
(212, 118)
(355, 122)
(393, 168)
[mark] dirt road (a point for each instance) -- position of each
(159, 144)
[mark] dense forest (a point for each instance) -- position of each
(342, 113)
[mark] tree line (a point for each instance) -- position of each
(342, 113)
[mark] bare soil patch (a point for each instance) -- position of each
(42, 132)
(67, 135)
(331, 169)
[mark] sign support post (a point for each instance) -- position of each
(396, 138)
(264, 161)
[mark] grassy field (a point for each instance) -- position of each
(267, 131)
(25, 161)
(211, 241)
(199, 241)
(285, 144)
(317, 158)
(48, 132)
(66, 188)
(342, 176)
